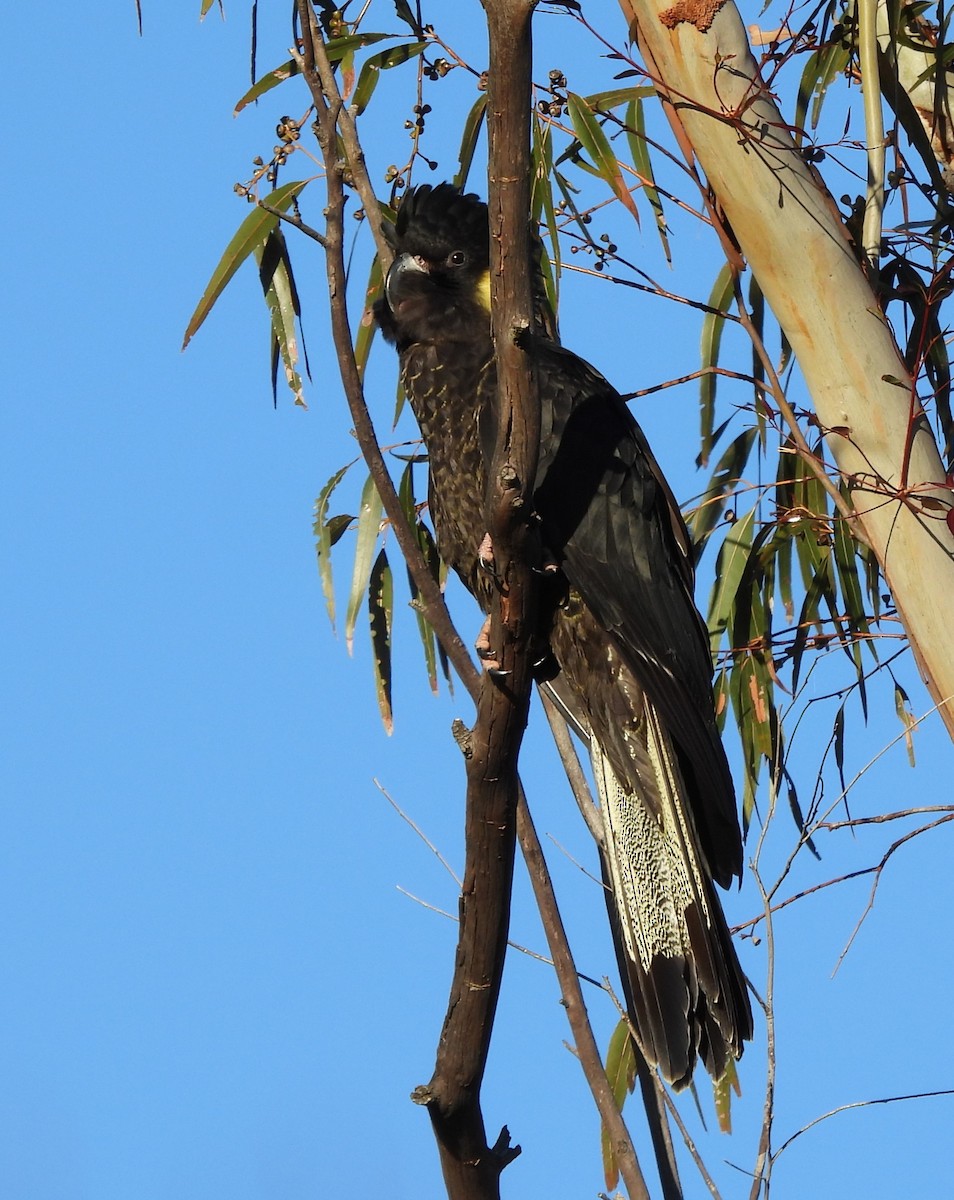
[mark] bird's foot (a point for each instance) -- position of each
(485, 556)
(487, 654)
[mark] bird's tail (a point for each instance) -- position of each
(685, 989)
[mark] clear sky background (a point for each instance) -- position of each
(212, 987)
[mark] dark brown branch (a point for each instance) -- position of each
(471, 1167)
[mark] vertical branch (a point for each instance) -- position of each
(471, 1167)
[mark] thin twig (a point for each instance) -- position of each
(420, 832)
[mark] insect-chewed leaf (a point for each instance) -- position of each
(268, 81)
(383, 61)
(369, 526)
(326, 536)
(594, 141)
(381, 614)
(468, 139)
(251, 234)
(712, 325)
(730, 567)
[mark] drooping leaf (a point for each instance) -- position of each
(727, 473)
(369, 526)
(281, 296)
(757, 317)
(339, 47)
(639, 149)
(543, 209)
(325, 538)
(722, 1089)
(594, 141)
(381, 616)
(250, 234)
(268, 81)
(468, 139)
(367, 326)
(403, 11)
(713, 324)
(902, 706)
(372, 68)
(796, 810)
(614, 97)
(621, 1073)
(730, 566)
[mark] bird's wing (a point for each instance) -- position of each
(610, 520)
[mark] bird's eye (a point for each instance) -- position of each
(456, 259)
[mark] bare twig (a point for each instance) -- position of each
(586, 1048)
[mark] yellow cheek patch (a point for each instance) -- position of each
(483, 290)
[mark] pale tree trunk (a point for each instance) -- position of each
(792, 237)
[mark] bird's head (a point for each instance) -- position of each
(438, 287)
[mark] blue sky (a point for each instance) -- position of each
(212, 985)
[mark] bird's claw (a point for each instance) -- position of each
(485, 555)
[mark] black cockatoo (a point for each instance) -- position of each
(631, 664)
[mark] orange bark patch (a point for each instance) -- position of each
(700, 13)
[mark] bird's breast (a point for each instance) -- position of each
(445, 394)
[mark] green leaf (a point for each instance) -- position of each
(722, 1089)
(713, 324)
(426, 633)
(341, 47)
(381, 615)
(605, 101)
(383, 61)
(403, 11)
(251, 234)
(730, 567)
(742, 704)
(906, 717)
(639, 149)
(727, 473)
(796, 810)
(621, 1073)
(206, 5)
(468, 139)
(543, 209)
(265, 84)
(281, 296)
(369, 526)
(595, 142)
(326, 538)
(368, 326)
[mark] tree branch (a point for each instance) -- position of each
(471, 1167)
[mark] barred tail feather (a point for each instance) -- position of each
(683, 981)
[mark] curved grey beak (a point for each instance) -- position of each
(403, 264)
